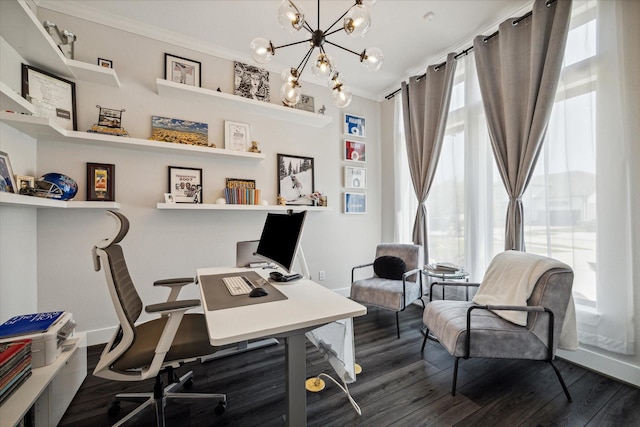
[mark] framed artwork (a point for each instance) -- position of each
(25, 184)
(52, 96)
(355, 177)
(7, 182)
(237, 136)
(355, 203)
(106, 63)
(354, 125)
(306, 103)
(295, 179)
(355, 151)
(185, 184)
(179, 131)
(101, 182)
(110, 117)
(251, 82)
(182, 70)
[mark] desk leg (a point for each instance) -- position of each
(295, 355)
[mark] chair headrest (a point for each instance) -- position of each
(122, 229)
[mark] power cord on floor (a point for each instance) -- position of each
(317, 384)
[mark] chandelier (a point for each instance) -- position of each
(355, 22)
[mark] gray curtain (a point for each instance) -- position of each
(425, 107)
(518, 71)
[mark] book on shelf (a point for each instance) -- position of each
(241, 192)
(29, 323)
(15, 365)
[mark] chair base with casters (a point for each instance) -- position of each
(466, 329)
(144, 350)
(391, 293)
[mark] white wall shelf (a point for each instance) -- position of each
(10, 100)
(217, 207)
(21, 28)
(171, 89)
(18, 200)
(47, 129)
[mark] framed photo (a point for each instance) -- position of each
(7, 183)
(355, 151)
(185, 184)
(110, 117)
(354, 125)
(52, 96)
(179, 131)
(355, 203)
(168, 198)
(106, 63)
(237, 136)
(25, 184)
(251, 82)
(182, 70)
(295, 179)
(306, 103)
(101, 182)
(355, 177)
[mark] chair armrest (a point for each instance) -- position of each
(356, 267)
(455, 284)
(171, 306)
(410, 273)
(532, 308)
(175, 285)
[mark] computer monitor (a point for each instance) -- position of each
(280, 238)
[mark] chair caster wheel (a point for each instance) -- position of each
(188, 384)
(114, 408)
(220, 408)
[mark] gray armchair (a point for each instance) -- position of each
(397, 279)
(468, 329)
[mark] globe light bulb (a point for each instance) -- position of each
(261, 50)
(370, 3)
(357, 21)
(289, 74)
(290, 93)
(372, 59)
(342, 96)
(323, 66)
(290, 16)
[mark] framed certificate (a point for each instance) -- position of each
(236, 136)
(52, 96)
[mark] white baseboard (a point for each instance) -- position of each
(603, 364)
(99, 336)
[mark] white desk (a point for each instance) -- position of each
(308, 305)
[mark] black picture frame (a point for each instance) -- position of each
(185, 184)
(101, 182)
(53, 96)
(182, 70)
(296, 181)
(106, 63)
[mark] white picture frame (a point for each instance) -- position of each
(237, 136)
(355, 177)
(355, 203)
(354, 125)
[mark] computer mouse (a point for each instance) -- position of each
(258, 292)
(275, 275)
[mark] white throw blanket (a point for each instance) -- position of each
(510, 279)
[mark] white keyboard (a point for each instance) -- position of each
(238, 285)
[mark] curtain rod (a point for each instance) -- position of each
(470, 48)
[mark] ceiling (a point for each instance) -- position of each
(226, 27)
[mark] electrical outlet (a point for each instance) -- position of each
(321, 275)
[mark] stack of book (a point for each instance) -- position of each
(15, 366)
(241, 192)
(443, 268)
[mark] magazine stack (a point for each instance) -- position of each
(15, 366)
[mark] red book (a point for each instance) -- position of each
(9, 349)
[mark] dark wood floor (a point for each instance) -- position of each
(399, 386)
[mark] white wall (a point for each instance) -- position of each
(165, 244)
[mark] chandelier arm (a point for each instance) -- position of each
(343, 48)
(291, 44)
(307, 26)
(304, 61)
(337, 30)
(338, 20)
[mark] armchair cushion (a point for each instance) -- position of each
(389, 267)
(384, 293)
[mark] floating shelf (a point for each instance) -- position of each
(217, 207)
(18, 200)
(10, 100)
(48, 129)
(191, 93)
(21, 28)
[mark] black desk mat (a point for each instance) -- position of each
(217, 296)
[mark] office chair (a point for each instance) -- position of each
(487, 328)
(397, 279)
(149, 349)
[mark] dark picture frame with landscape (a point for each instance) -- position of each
(185, 184)
(101, 182)
(295, 179)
